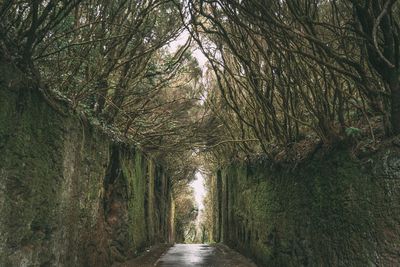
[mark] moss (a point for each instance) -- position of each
(135, 171)
(331, 211)
(150, 197)
(30, 190)
(69, 196)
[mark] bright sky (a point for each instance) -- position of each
(181, 40)
(199, 190)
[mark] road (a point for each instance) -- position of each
(201, 255)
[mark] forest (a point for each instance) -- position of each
(108, 111)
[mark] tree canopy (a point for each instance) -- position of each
(279, 73)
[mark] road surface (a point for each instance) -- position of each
(201, 255)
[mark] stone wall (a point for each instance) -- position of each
(69, 194)
(332, 210)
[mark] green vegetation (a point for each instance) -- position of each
(107, 111)
(330, 211)
(67, 189)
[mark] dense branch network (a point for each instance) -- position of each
(288, 71)
(279, 73)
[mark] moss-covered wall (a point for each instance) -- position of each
(69, 195)
(333, 210)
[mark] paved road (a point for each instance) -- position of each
(201, 255)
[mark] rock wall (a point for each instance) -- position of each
(69, 195)
(333, 210)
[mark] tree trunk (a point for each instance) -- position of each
(395, 104)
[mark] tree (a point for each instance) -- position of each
(379, 25)
(111, 63)
(291, 70)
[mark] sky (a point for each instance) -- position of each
(181, 40)
(199, 190)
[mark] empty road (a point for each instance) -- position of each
(201, 255)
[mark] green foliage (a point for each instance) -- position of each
(353, 132)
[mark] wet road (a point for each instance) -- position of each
(201, 255)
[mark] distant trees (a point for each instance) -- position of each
(186, 213)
